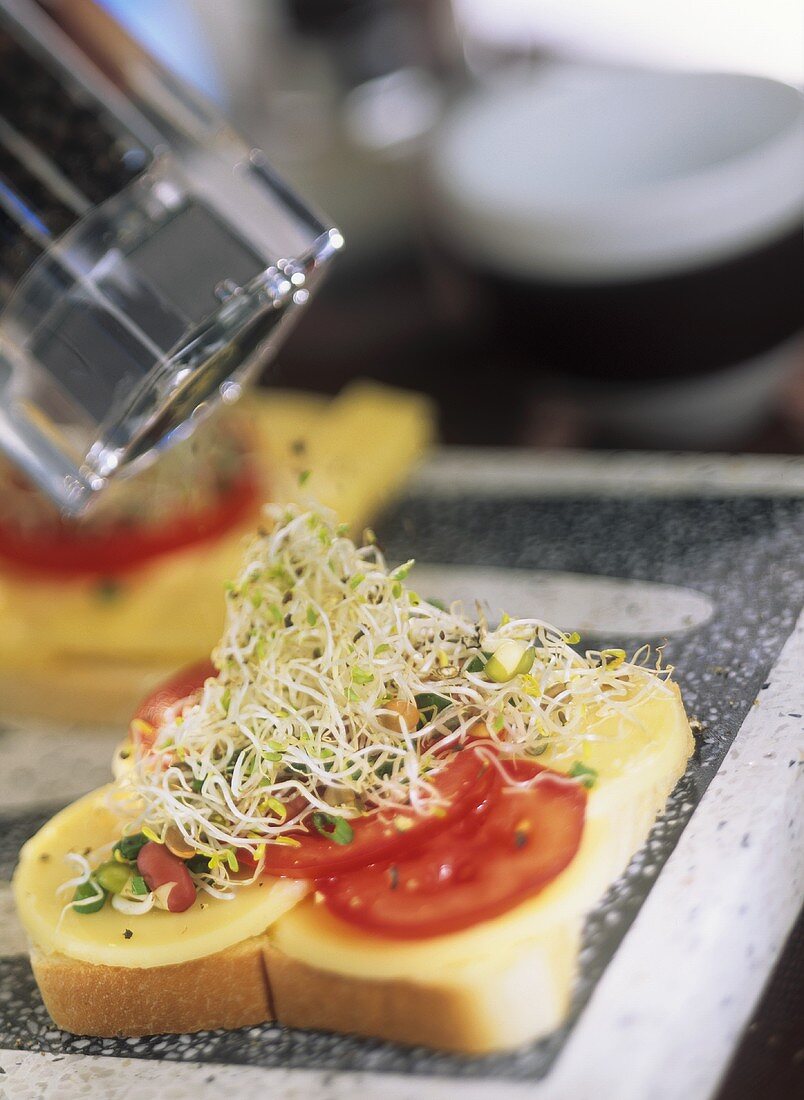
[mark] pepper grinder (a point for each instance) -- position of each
(150, 259)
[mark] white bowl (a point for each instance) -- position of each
(585, 174)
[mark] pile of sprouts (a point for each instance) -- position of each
(341, 690)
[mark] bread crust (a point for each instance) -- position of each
(403, 1012)
(226, 990)
(240, 987)
(253, 983)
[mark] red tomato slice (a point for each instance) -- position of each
(151, 713)
(67, 551)
(381, 835)
(509, 849)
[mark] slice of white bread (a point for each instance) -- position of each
(276, 954)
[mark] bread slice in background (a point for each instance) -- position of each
(76, 650)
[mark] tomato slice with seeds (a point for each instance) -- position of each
(381, 835)
(185, 686)
(513, 844)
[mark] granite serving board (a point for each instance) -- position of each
(736, 557)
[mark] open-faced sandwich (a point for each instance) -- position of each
(370, 814)
(97, 612)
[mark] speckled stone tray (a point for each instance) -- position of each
(743, 552)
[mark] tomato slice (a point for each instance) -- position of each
(68, 551)
(186, 685)
(381, 835)
(507, 850)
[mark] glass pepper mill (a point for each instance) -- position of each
(150, 260)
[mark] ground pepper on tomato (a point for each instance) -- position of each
(515, 842)
(382, 835)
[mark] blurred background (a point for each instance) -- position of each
(569, 224)
(560, 223)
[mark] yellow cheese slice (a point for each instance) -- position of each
(172, 605)
(639, 757)
(158, 938)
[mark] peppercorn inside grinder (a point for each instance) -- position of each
(150, 260)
